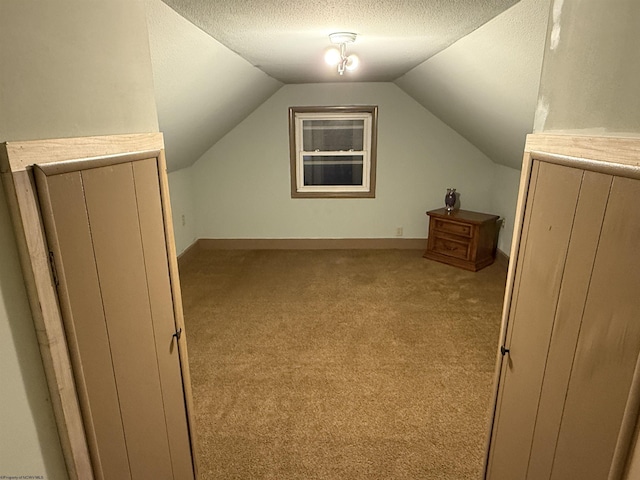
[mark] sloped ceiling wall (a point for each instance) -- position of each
(202, 88)
(485, 86)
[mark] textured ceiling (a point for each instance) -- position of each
(287, 39)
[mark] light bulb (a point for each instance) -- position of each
(352, 63)
(332, 57)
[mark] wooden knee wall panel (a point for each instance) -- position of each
(142, 316)
(567, 373)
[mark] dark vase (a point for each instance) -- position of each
(450, 199)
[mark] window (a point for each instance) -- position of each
(333, 151)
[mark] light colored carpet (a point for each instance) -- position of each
(340, 364)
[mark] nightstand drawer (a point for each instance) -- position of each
(453, 227)
(452, 248)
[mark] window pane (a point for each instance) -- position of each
(332, 170)
(332, 135)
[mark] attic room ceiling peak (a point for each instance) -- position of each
(287, 40)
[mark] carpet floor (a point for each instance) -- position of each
(339, 364)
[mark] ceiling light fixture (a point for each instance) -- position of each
(338, 56)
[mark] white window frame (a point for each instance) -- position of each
(297, 115)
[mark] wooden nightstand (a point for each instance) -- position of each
(462, 238)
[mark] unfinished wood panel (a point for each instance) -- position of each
(608, 345)
(177, 306)
(80, 221)
(585, 234)
(587, 413)
(19, 156)
(528, 178)
(69, 236)
(542, 265)
(625, 452)
(598, 151)
(515, 279)
(113, 216)
(627, 459)
(43, 301)
(155, 253)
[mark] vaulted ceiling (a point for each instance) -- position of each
(473, 63)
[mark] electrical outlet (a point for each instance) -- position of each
(184, 220)
(399, 232)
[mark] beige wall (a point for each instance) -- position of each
(504, 197)
(69, 68)
(183, 208)
(74, 68)
(242, 184)
(591, 69)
